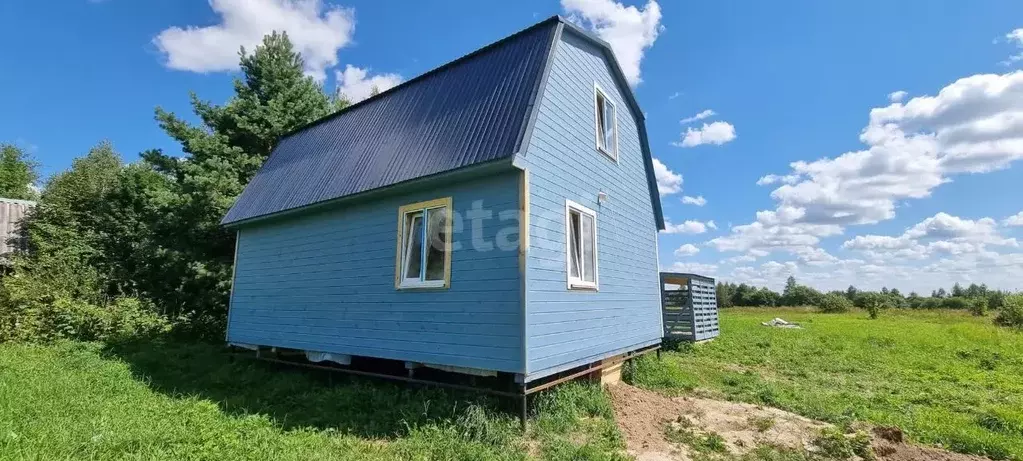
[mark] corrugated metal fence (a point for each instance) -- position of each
(11, 213)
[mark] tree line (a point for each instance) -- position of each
(978, 299)
(119, 248)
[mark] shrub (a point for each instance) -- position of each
(978, 306)
(57, 299)
(1011, 314)
(834, 444)
(955, 303)
(834, 303)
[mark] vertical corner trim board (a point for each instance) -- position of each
(523, 255)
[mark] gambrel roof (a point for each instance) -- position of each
(471, 111)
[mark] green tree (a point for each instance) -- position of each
(724, 295)
(17, 173)
(271, 98)
(957, 291)
(60, 288)
(850, 293)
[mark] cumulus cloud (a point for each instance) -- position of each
(936, 235)
(694, 268)
(316, 29)
(716, 133)
(774, 179)
(688, 227)
(698, 200)
(897, 96)
(973, 125)
(1014, 220)
(686, 250)
(354, 85)
(700, 116)
(668, 182)
(1016, 38)
(629, 30)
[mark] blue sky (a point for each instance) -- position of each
(915, 193)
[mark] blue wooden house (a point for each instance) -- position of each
(496, 215)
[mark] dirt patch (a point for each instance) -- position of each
(646, 418)
(889, 446)
(642, 416)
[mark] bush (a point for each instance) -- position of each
(834, 303)
(978, 306)
(959, 303)
(1011, 314)
(57, 299)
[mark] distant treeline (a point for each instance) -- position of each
(975, 297)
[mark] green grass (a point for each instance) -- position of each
(945, 378)
(183, 402)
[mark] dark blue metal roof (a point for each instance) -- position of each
(470, 111)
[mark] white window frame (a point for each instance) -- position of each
(577, 283)
(402, 254)
(612, 151)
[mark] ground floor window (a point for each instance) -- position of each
(423, 259)
(581, 246)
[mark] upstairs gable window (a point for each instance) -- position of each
(606, 124)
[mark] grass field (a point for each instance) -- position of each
(943, 377)
(183, 402)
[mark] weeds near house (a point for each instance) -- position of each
(189, 401)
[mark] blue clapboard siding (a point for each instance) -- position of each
(325, 282)
(567, 328)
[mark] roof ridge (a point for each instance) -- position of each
(435, 70)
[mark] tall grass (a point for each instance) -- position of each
(186, 401)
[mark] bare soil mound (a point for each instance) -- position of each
(647, 419)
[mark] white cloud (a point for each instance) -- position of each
(716, 133)
(675, 95)
(774, 179)
(937, 235)
(694, 268)
(668, 182)
(686, 250)
(767, 236)
(317, 30)
(748, 258)
(688, 227)
(698, 200)
(1014, 220)
(700, 116)
(353, 84)
(897, 96)
(1016, 38)
(973, 125)
(628, 29)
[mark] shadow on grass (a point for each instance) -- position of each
(296, 397)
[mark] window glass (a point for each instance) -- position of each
(581, 246)
(574, 256)
(589, 264)
(438, 238)
(413, 245)
(609, 126)
(601, 122)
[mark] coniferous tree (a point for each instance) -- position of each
(272, 97)
(17, 173)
